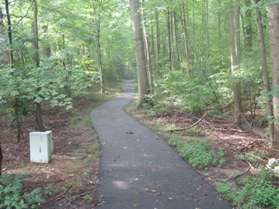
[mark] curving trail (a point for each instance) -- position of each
(139, 170)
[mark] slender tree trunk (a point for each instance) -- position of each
(158, 38)
(235, 60)
(264, 67)
(194, 31)
(169, 38)
(147, 53)
(1, 158)
(176, 40)
(153, 57)
(158, 42)
(99, 53)
(187, 47)
(248, 25)
(12, 63)
(66, 69)
(2, 61)
(206, 36)
(11, 59)
(136, 10)
(219, 17)
(4, 54)
(273, 14)
(36, 60)
(47, 48)
(10, 33)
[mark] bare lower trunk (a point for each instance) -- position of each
(264, 68)
(66, 70)
(36, 60)
(39, 117)
(169, 39)
(158, 37)
(11, 58)
(99, 53)
(248, 25)
(148, 58)
(136, 10)
(1, 158)
(273, 14)
(10, 34)
(17, 120)
(4, 53)
(235, 60)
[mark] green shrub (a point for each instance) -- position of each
(198, 153)
(250, 156)
(257, 192)
(224, 189)
(12, 195)
(195, 131)
(194, 94)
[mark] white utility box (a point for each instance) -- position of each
(41, 147)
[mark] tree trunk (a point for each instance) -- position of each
(147, 53)
(153, 57)
(67, 71)
(273, 14)
(219, 18)
(206, 37)
(36, 60)
(248, 25)
(47, 48)
(12, 63)
(187, 47)
(169, 38)
(4, 54)
(264, 67)
(1, 159)
(99, 53)
(35, 31)
(158, 38)
(136, 10)
(235, 60)
(10, 33)
(193, 32)
(176, 41)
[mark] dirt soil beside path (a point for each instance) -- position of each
(71, 177)
(245, 151)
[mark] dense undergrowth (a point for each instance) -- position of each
(198, 152)
(257, 192)
(13, 195)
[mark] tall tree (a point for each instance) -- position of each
(264, 67)
(235, 58)
(273, 14)
(169, 28)
(97, 10)
(2, 60)
(99, 52)
(36, 60)
(4, 55)
(137, 14)
(248, 25)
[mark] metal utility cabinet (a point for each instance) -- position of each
(41, 147)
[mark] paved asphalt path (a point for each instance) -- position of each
(139, 170)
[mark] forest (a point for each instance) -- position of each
(207, 79)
